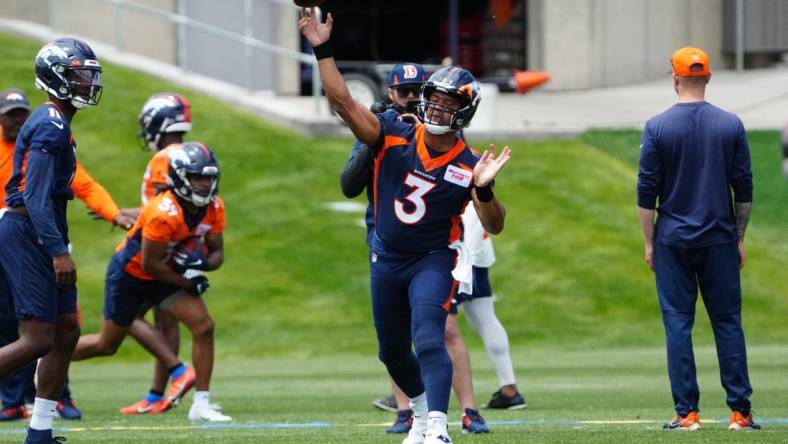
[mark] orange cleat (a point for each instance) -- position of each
(143, 406)
(741, 422)
(688, 423)
(181, 385)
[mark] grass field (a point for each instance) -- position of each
(295, 342)
(574, 396)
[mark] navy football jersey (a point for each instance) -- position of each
(418, 199)
(44, 165)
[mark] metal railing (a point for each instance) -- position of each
(249, 43)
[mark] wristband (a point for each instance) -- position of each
(323, 50)
(485, 193)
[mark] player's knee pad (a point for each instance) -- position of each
(428, 337)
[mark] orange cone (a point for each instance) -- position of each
(525, 80)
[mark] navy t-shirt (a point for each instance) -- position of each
(692, 157)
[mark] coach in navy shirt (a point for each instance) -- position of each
(695, 162)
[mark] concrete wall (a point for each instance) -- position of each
(156, 37)
(30, 10)
(227, 60)
(600, 43)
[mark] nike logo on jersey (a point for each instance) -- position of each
(58, 125)
(458, 176)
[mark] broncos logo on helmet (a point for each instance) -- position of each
(193, 159)
(67, 69)
(458, 83)
(163, 113)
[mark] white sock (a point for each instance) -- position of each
(43, 414)
(437, 423)
(481, 315)
(201, 398)
(419, 405)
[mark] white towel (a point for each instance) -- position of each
(463, 271)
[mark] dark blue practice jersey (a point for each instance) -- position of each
(418, 198)
(44, 165)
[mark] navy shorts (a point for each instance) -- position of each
(125, 295)
(481, 288)
(27, 274)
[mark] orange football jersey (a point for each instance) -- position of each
(163, 220)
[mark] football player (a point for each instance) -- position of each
(405, 82)
(478, 305)
(18, 387)
(424, 176)
(144, 268)
(164, 120)
(35, 263)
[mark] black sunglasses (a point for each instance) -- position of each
(403, 91)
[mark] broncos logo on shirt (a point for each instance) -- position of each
(163, 220)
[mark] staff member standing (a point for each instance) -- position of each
(693, 157)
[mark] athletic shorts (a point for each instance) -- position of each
(481, 287)
(27, 274)
(125, 295)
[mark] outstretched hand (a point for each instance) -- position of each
(489, 166)
(315, 33)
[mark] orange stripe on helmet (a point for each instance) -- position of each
(467, 90)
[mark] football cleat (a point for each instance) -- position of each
(403, 422)
(418, 430)
(691, 422)
(181, 385)
(144, 406)
(442, 438)
(388, 404)
(67, 410)
(741, 422)
(42, 437)
(14, 413)
(207, 412)
(472, 422)
(501, 401)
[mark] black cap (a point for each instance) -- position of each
(13, 98)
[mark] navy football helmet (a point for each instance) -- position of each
(460, 84)
(163, 113)
(193, 159)
(67, 69)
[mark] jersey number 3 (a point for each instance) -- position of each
(420, 188)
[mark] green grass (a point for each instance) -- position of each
(562, 387)
(294, 336)
(569, 272)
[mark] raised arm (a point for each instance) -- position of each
(360, 120)
(491, 212)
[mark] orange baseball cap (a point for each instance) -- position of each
(684, 59)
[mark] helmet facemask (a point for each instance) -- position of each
(84, 86)
(192, 161)
(187, 191)
(438, 118)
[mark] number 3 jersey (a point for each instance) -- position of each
(418, 197)
(164, 220)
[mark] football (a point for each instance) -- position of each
(308, 3)
(192, 245)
